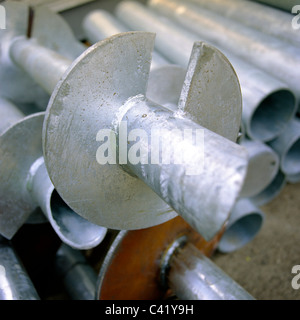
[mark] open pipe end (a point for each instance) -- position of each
(290, 163)
(72, 229)
(272, 115)
(271, 191)
(241, 232)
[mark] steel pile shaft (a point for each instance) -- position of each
(15, 283)
(44, 65)
(193, 276)
(78, 276)
(203, 160)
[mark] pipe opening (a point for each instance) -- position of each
(241, 232)
(291, 160)
(74, 230)
(272, 115)
(272, 190)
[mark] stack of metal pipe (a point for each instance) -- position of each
(264, 50)
(81, 202)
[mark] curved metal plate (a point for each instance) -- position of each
(50, 30)
(131, 268)
(20, 146)
(211, 95)
(85, 101)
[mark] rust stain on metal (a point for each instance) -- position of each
(134, 272)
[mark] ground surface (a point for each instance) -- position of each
(263, 267)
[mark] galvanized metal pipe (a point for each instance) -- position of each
(100, 24)
(287, 145)
(271, 191)
(186, 174)
(78, 276)
(19, 49)
(15, 283)
(263, 95)
(45, 28)
(293, 178)
(266, 52)
(45, 66)
(192, 276)
(262, 169)
(257, 16)
(71, 228)
(26, 184)
(245, 221)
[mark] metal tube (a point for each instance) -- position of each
(15, 283)
(266, 52)
(26, 184)
(245, 222)
(78, 276)
(258, 16)
(262, 169)
(47, 29)
(271, 191)
(262, 93)
(44, 65)
(293, 178)
(193, 276)
(203, 159)
(100, 24)
(287, 145)
(71, 228)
